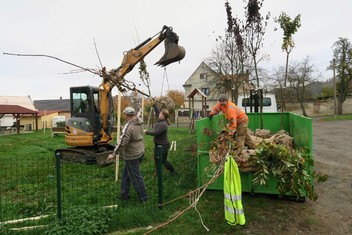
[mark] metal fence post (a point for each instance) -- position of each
(159, 173)
(58, 186)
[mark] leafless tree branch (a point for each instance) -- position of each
(55, 58)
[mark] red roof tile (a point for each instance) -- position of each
(15, 109)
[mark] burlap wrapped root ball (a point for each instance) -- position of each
(165, 102)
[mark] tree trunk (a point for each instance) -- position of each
(340, 100)
(282, 92)
(303, 109)
(286, 69)
(300, 98)
(339, 107)
(256, 70)
(282, 107)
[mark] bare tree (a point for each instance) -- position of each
(230, 58)
(342, 62)
(255, 30)
(235, 32)
(277, 77)
(236, 55)
(300, 75)
(225, 61)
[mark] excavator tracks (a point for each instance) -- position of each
(87, 155)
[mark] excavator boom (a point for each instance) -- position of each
(173, 53)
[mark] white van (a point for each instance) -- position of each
(269, 104)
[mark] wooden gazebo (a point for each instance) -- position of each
(17, 112)
(191, 106)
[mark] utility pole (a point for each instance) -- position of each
(334, 79)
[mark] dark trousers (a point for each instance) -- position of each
(132, 175)
(164, 152)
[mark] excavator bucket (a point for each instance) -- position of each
(173, 53)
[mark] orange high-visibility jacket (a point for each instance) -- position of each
(233, 114)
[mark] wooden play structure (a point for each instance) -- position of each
(193, 114)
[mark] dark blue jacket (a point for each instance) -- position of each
(160, 130)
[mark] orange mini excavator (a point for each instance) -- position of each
(89, 130)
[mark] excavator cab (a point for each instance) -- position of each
(173, 52)
(84, 126)
(84, 130)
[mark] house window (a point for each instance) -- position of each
(205, 91)
(203, 76)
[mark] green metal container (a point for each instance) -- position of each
(299, 127)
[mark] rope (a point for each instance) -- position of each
(201, 220)
(185, 195)
(167, 80)
(219, 171)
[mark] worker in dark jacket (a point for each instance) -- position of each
(160, 137)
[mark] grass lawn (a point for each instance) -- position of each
(89, 186)
(337, 118)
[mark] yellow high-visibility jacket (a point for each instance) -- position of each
(233, 208)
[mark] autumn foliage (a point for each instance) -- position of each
(177, 96)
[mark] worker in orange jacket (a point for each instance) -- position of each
(237, 120)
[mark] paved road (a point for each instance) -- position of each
(332, 152)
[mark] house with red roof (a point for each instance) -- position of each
(22, 114)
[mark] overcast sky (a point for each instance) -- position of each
(67, 29)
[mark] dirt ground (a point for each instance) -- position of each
(332, 153)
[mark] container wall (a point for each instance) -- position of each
(271, 121)
(208, 130)
(301, 131)
(299, 127)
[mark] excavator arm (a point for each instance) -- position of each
(115, 77)
(173, 53)
(85, 131)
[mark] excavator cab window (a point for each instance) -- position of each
(81, 102)
(85, 101)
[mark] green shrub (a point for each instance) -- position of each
(82, 220)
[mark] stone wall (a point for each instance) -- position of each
(319, 107)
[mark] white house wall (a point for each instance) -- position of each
(7, 120)
(195, 82)
(24, 101)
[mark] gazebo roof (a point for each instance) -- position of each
(195, 92)
(15, 109)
